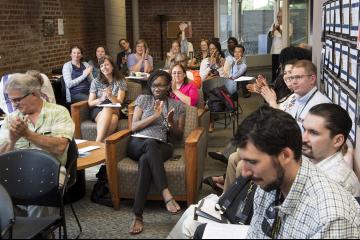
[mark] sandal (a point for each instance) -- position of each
(174, 204)
(136, 221)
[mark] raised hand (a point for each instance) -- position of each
(158, 107)
(170, 116)
(88, 70)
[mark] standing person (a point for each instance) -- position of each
(35, 124)
(100, 52)
(182, 90)
(140, 61)
(275, 35)
(155, 116)
(122, 56)
(77, 76)
(186, 46)
(110, 87)
(172, 54)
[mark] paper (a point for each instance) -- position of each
(330, 88)
(78, 141)
(336, 94)
(326, 84)
(354, 18)
(87, 149)
(337, 58)
(353, 68)
(346, 17)
(332, 13)
(225, 231)
(343, 99)
(244, 79)
(352, 114)
(117, 105)
(60, 26)
(344, 62)
(337, 17)
(327, 17)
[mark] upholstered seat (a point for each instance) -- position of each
(184, 174)
(85, 128)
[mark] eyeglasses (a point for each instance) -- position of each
(154, 86)
(297, 77)
(272, 213)
(18, 100)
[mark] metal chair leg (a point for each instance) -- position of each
(77, 220)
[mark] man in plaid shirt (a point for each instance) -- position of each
(295, 199)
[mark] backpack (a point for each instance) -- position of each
(223, 94)
(215, 103)
(236, 204)
(100, 193)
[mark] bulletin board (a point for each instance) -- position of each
(341, 58)
(173, 29)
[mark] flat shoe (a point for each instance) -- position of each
(172, 201)
(218, 156)
(132, 231)
(209, 181)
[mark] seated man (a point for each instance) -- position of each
(326, 128)
(35, 124)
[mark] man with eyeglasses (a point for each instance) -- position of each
(35, 124)
(304, 83)
(294, 198)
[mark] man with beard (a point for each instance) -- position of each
(294, 199)
(326, 128)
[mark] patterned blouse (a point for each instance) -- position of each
(97, 86)
(159, 128)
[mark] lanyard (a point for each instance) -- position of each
(307, 102)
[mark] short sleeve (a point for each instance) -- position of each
(93, 86)
(140, 101)
(123, 85)
(194, 95)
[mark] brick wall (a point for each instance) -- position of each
(199, 12)
(23, 45)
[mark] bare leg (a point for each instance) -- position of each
(171, 205)
(113, 124)
(103, 120)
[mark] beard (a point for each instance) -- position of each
(280, 173)
(307, 151)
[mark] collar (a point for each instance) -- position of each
(304, 99)
(332, 159)
(297, 189)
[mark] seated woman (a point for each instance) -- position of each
(140, 61)
(100, 52)
(213, 66)
(171, 55)
(234, 68)
(200, 55)
(77, 77)
(182, 90)
(270, 95)
(110, 87)
(155, 116)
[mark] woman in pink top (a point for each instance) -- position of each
(181, 88)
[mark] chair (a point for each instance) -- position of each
(234, 115)
(31, 177)
(184, 175)
(85, 128)
(7, 217)
(71, 172)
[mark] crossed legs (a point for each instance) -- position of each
(106, 123)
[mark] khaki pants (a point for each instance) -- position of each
(233, 169)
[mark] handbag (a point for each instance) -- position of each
(236, 204)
